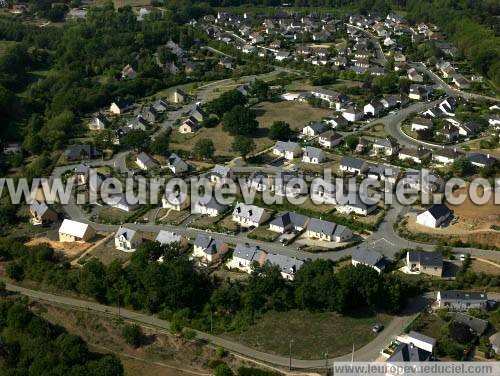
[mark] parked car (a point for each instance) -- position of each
(377, 328)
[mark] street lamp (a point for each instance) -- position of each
(290, 352)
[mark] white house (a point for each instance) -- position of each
(288, 266)
(313, 155)
(384, 146)
(434, 216)
(220, 174)
(249, 215)
(327, 231)
(127, 239)
(176, 164)
(414, 154)
(418, 340)
(352, 165)
(353, 114)
(456, 300)
(289, 150)
(168, 237)
(207, 250)
(421, 123)
(313, 129)
(447, 156)
(145, 162)
(175, 200)
(74, 231)
(120, 202)
(330, 139)
(358, 206)
(323, 191)
(244, 256)
(369, 257)
(208, 207)
(374, 108)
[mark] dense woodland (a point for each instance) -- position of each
(31, 345)
(187, 296)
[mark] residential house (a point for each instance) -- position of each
(418, 340)
(323, 191)
(289, 221)
(176, 164)
(481, 160)
(119, 201)
(145, 162)
(419, 92)
(288, 266)
(120, 106)
(256, 38)
(476, 325)
(353, 165)
(41, 214)
(353, 114)
(259, 182)
(430, 263)
(248, 49)
(416, 155)
(406, 353)
(448, 132)
(282, 55)
(389, 101)
(82, 174)
(468, 129)
(138, 123)
(313, 155)
(332, 97)
(207, 250)
(286, 184)
(127, 239)
(314, 129)
(150, 114)
(357, 206)
(99, 122)
(74, 231)
(457, 300)
(495, 342)
(128, 73)
(245, 256)
(384, 146)
(249, 215)
(221, 174)
(190, 125)
(168, 237)
(461, 82)
(160, 106)
(414, 76)
(80, 152)
(374, 108)
(178, 96)
(327, 231)
(330, 139)
(209, 207)
(175, 200)
(369, 257)
(435, 216)
(289, 150)
(198, 113)
(335, 122)
(421, 124)
(447, 156)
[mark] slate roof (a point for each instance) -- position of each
(463, 295)
(369, 257)
(146, 160)
(221, 170)
(409, 353)
(79, 151)
(313, 152)
(289, 265)
(439, 211)
(126, 232)
(207, 243)
(250, 212)
(317, 126)
(283, 146)
(423, 338)
(39, 207)
(477, 325)
(247, 252)
(167, 237)
(321, 226)
(487, 160)
(290, 218)
(352, 162)
(330, 136)
(430, 259)
(175, 161)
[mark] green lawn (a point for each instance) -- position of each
(312, 333)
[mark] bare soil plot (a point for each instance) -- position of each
(107, 253)
(172, 217)
(472, 223)
(479, 266)
(70, 250)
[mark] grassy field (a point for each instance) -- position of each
(294, 113)
(376, 130)
(107, 253)
(222, 140)
(122, 3)
(312, 333)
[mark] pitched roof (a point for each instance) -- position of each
(439, 210)
(39, 207)
(477, 325)
(167, 237)
(463, 295)
(283, 146)
(145, 159)
(175, 161)
(321, 226)
(422, 337)
(73, 228)
(290, 218)
(247, 252)
(479, 158)
(409, 353)
(208, 244)
(330, 136)
(352, 162)
(368, 257)
(431, 259)
(126, 232)
(289, 265)
(313, 152)
(250, 212)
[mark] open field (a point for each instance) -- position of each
(472, 223)
(294, 113)
(70, 250)
(107, 253)
(376, 130)
(172, 217)
(222, 140)
(312, 333)
(122, 3)
(479, 266)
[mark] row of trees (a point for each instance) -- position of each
(33, 346)
(188, 297)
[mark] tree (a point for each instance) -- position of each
(243, 145)
(204, 148)
(136, 139)
(223, 369)
(132, 333)
(160, 143)
(351, 141)
(225, 102)
(240, 121)
(280, 130)
(460, 333)
(462, 167)
(260, 89)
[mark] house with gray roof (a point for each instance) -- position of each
(287, 149)
(359, 206)
(165, 237)
(245, 256)
(249, 215)
(119, 201)
(207, 250)
(289, 221)
(447, 155)
(476, 325)
(416, 155)
(208, 206)
(458, 300)
(481, 160)
(127, 239)
(369, 257)
(314, 129)
(145, 162)
(407, 353)
(41, 214)
(176, 200)
(327, 231)
(313, 155)
(384, 146)
(176, 164)
(330, 139)
(288, 266)
(323, 191)
(81, 152)
(430, 263)
(220, 173)
(353, 165)
(418, 340)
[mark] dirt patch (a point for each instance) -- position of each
(70, 250)
(479, 266)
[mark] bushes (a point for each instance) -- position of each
(133, 335)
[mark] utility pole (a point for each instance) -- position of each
(326, 362)
(290, 352)
(211, 321)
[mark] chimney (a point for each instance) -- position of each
(250, 213)
(488, 156)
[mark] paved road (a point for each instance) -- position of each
(380, 59)
(368, 352)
